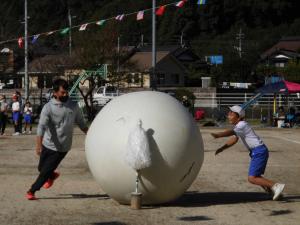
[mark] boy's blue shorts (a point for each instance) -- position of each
(27, 118)
(259, 158)
(16, 116)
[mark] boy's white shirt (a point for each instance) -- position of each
(27, 110)
(248, 136)
(16, 106)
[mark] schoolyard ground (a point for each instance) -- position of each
(220, 195)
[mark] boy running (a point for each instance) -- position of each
(258, 151)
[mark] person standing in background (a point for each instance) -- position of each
(27, 117)
(3, 114)
(16, 114)
(21, 103)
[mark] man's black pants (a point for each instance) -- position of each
(3, 120)
(49, 161)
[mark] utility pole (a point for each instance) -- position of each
(240, 36)
(26, 78)
(118, 61)
(181, 40)
(118, 49)
(142, 40)
(153, 78)
(70, 31)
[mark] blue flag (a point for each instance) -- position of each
(201, 2)
(34, 38)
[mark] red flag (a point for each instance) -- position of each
(20, 42)
(161, 10)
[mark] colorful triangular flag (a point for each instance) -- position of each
(100, 22)
(120, 17)
(201, 2)
(20, 42)
(34, 38)
(180, 3)
(65, 31)
(140, 15)
(83, 27)
(161, 10)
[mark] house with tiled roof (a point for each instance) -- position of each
(279, 55)
(171, 66)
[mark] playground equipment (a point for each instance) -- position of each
(74, 91)
(100, 72)
(280, 87)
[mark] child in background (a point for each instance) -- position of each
(258, 151)
(3, 114)
(27, 117)
(16, 114)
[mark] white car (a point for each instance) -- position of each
(105, 94)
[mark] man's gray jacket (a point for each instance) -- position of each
(57, 122)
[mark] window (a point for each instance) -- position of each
(111, 89)
(280, 65)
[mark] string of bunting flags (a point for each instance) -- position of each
(160, 10)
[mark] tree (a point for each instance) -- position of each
(92, 49)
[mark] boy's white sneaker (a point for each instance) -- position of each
(16, 134)
(277, 190)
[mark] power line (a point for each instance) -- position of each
(88, 23)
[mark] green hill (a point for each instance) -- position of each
(209, 29)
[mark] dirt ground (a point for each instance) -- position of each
(219, 195)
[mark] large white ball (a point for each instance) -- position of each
(175, 143)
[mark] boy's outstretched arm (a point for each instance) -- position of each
(231, 141)
(225, 133)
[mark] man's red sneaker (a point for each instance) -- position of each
(30, 196)
(50, 182)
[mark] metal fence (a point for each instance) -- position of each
(215, 100)
(216, 104)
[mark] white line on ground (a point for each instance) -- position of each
(287, 139)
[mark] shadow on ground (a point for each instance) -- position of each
(194, 218)
(109, 223)
(195, 199)
(291, 198)
(78, 196)
(280, 212)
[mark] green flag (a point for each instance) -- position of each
(65, 31)
(101, 22)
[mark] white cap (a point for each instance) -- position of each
(238, 109)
